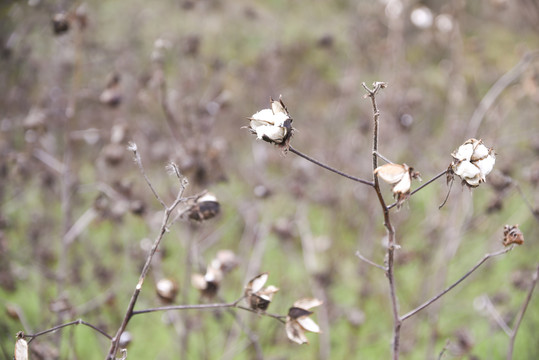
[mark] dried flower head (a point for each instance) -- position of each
(273, 125)
(167, 290)
(259, 297)
(21, 347)
(512, 235)
(400, 177)
(205, 207)
(298, 320)
(473, 161)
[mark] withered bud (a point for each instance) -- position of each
(60, 23)
(208, 284)
(205, 208)
(512, 235)
(167, 290)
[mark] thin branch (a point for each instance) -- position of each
(383, 157)
(521, 314)
(138, 161)
(499, 86)
(58, 327)
(496, 316)
(308, 158)
(449, 288)
(530, 207)
(421, 187)
(186, 307)
(372, 263)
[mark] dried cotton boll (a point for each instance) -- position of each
(125, 339)
(298, 320)
(400, 177)
(272, 125)
(472, 162)
(167, 290)
(258, 297)
(205, 208)
(60, 23)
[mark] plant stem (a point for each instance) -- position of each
(449, 288)
(521, 315)
(387, 221)
(308, 158)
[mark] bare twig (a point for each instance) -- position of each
(383, 157)
(189, 307)
(308, 158)
(521, 315)
(422, 186)
(58, 327)
(499, 86)
(133, 147)
(363, 258)
(449, 288)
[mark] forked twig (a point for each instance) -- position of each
(58, 327)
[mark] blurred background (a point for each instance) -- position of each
(79, 80)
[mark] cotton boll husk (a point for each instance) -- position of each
(309, 324)
(403, 186)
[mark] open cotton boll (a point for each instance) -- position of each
(272, 125)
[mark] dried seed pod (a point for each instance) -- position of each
(400, 177)
(298, 320)
(272, 125)
(60, 23)
(125, 339)
(167, 290)
(258, 297)
(205, 207)
(512, 235)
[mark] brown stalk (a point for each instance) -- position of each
(387, 221)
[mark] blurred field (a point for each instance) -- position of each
(63, 154)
